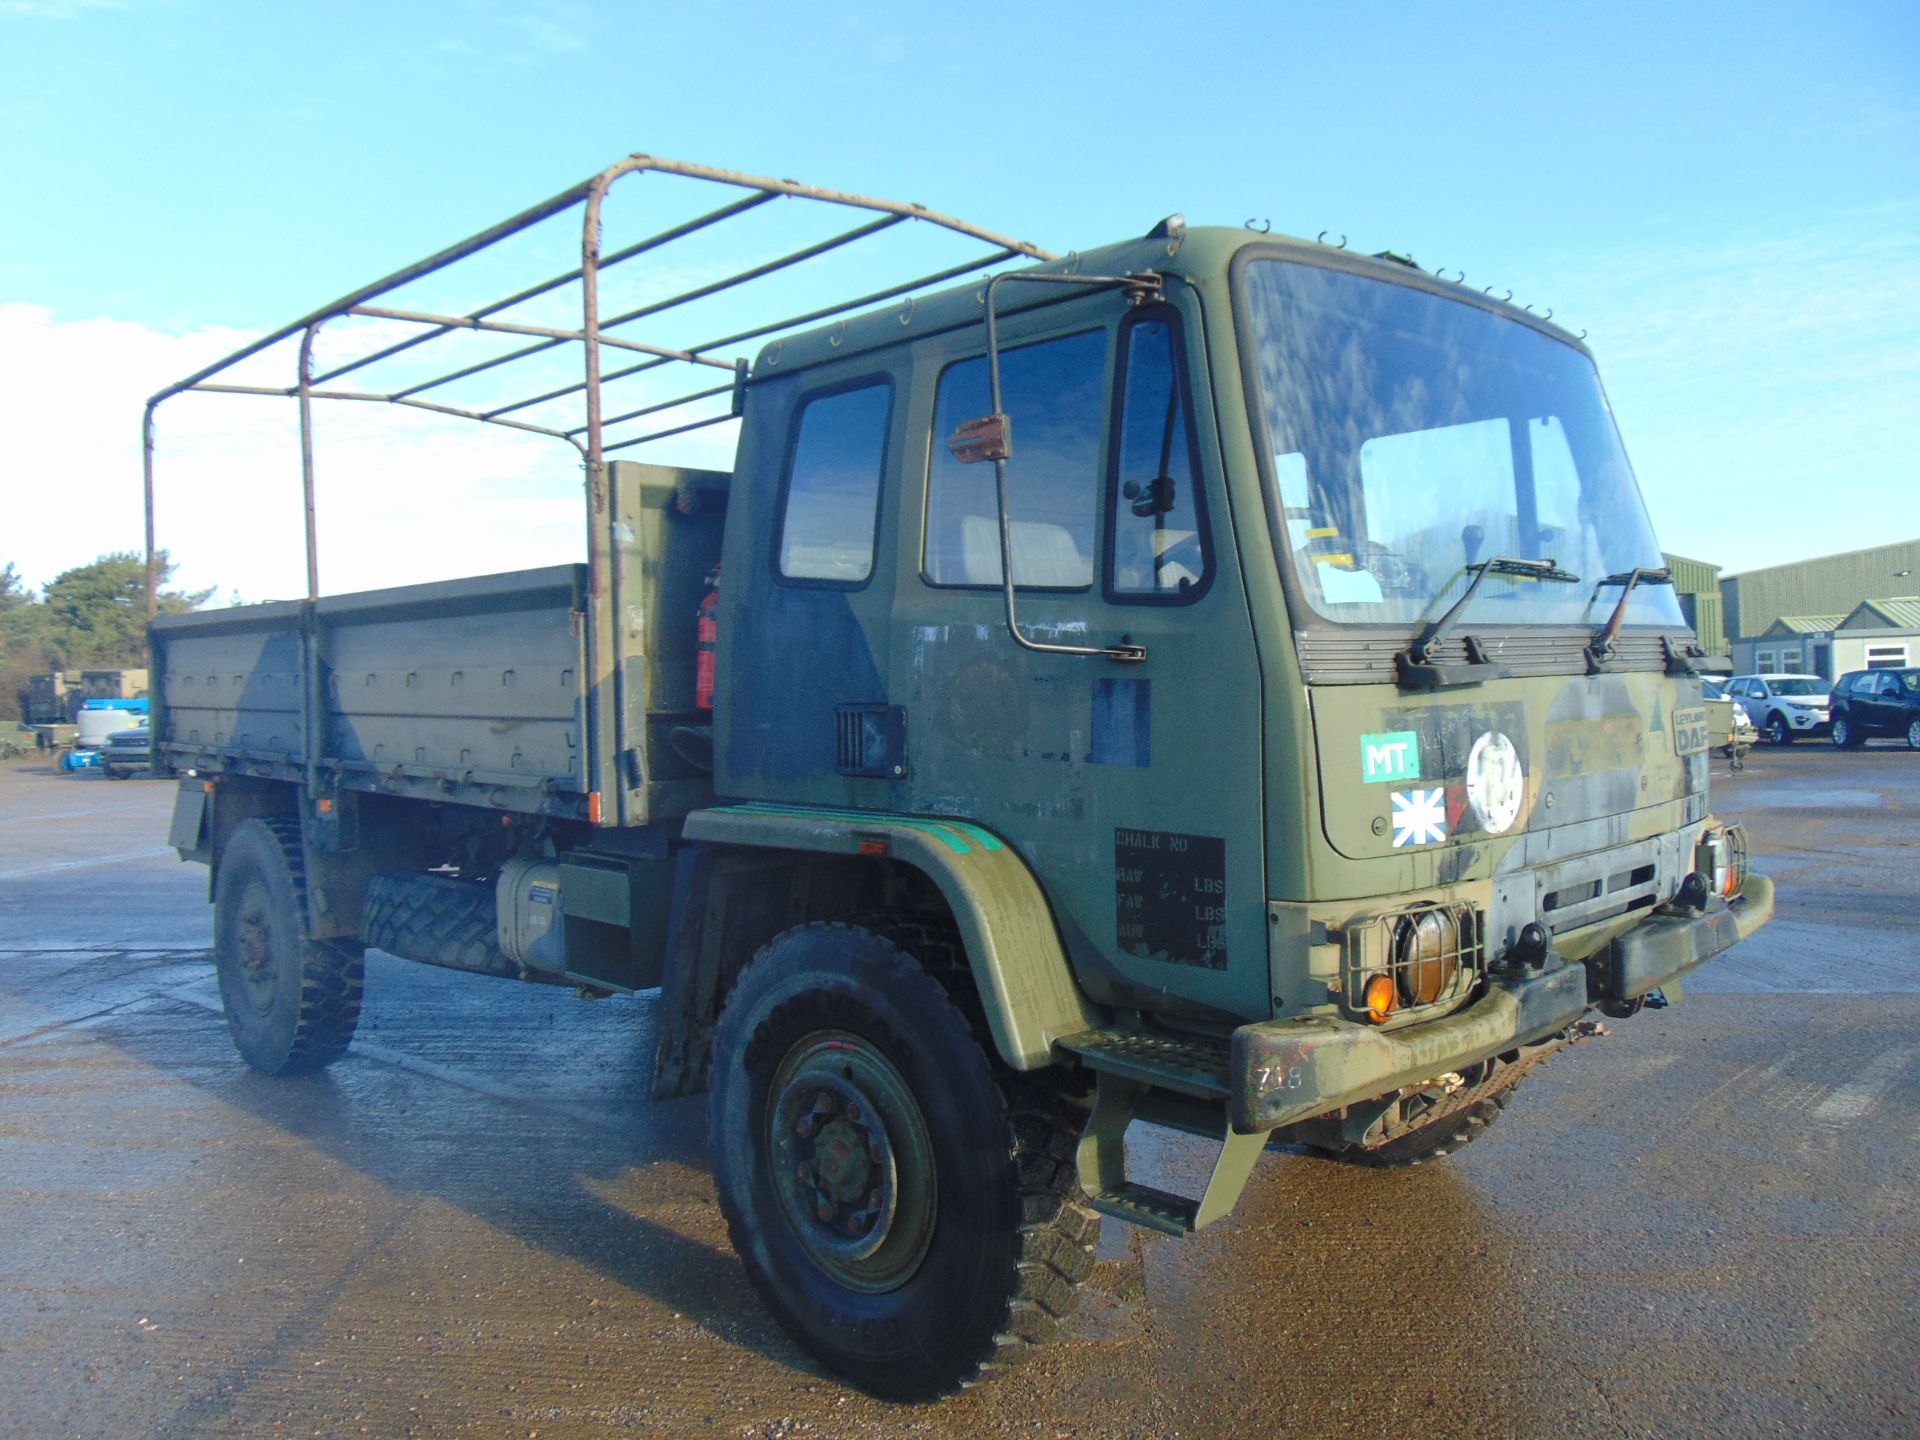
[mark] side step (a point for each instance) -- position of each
(1175, 1080)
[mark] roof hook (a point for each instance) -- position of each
(1321, 239)
(1489, 291)
(1549, 314)
(1458, 275)
(1262, 226)
(1583, 334)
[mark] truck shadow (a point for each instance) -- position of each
(526, 1110)
(492, 1099)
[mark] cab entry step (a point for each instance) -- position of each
(1176, 1080)
(1196, 1065)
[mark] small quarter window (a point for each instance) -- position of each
(1055, 395)
(1155, 523)
(833, 486)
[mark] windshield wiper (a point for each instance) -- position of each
(1415, 664)
(1600, 650)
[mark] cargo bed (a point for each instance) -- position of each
(470, 690)
(488, 691)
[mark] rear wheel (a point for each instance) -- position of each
(291, 1002)
(911, 1218)
(1844, 736)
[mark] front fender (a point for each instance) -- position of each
(1019, 965)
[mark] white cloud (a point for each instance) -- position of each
(401, 496)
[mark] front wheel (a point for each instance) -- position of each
(1777, 731)
(291, 1002)
(911, 1218)
(1913, 733)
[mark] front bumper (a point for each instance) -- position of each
(1288, 1070)
(1662, 948)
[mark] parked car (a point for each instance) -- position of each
(1785, 707)
(1876, 702)
(127, 752)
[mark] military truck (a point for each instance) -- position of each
(1214, 681)
(55, 698)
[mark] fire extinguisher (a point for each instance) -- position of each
(707, 633)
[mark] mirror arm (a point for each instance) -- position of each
(1139, 288)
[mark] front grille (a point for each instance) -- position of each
(1602, 897)
(1433, 953)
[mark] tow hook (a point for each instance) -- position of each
(1691, 897)
(1530, 948)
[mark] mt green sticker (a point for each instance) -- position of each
(1393, 756)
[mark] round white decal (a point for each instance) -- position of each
(1495, 782)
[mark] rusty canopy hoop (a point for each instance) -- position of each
(588, 439)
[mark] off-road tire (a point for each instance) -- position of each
(1011, 1236)
(435, 919)
(1844, 735)
(291, 1002)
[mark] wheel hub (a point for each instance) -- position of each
(851, 1161)
(252, 946)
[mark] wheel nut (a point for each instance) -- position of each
(824, 1210)
(823, 1103)
(804, 1127)
(803, 1174)
(853, 1113)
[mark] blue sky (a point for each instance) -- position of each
(1726, 198)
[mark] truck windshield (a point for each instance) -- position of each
(1413, 435)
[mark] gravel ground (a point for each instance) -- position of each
(1704, 1223)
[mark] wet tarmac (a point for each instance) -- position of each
(1706, 1223)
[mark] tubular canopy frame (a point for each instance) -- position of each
(589, 438)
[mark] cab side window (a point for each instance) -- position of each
(1054, 393)
(833, 486)
(1157, 545)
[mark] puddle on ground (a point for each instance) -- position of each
(1784, 798)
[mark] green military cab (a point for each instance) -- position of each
(1213, 680)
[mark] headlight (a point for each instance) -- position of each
(1423, 956)
(1721, 856)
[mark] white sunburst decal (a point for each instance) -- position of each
(1419, 817)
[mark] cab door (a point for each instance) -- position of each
(1132, 788)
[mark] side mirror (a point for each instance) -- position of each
(988, 438)
(1153, 497)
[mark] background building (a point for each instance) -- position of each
(1697, 586)
(1827, 615)
(1878, 635)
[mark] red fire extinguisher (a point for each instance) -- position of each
(708, 633)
